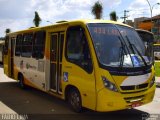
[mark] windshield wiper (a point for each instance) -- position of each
(121, 53)
(133, 47)
(124, 46)
(121, 56)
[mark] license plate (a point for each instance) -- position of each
(136, 104)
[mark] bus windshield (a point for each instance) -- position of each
(118, 45)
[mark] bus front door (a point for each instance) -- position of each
(56, 61)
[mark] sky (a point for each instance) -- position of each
(19, 14)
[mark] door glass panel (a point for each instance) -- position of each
(56, 53)
(53, 48)
(77, 48)
(53, 70)
(61, 46)
(61, 41)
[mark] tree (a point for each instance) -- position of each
(36, 19)
(7, 30)
(113, 16)
(97, 9)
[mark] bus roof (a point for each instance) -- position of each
(141, 30)
(70, 22)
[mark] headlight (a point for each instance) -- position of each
(111, 86)
(152, 81)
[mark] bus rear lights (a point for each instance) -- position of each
(109, 85)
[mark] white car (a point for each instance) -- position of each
(157, 51)
(157, 55)
(158, 81)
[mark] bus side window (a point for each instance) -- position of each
(27, 45)
(77, 48)
(6, 45)
(39, 45)
(18, 45)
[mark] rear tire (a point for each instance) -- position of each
(74, 100)
(21, 82)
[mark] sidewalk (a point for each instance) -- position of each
(158, 81)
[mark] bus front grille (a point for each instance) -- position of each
(134, 87)
(134, 99)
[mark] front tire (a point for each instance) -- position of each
(74, 100)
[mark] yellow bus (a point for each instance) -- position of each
(1, 51)
(96, 64)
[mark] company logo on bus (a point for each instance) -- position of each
(135, 61)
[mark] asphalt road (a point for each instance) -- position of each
(33, 104)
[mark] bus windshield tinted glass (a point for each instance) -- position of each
(117, 45)
(146, 36)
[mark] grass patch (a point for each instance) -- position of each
(157, 68)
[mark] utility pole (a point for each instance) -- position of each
(125, 16)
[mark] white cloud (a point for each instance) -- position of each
(14, 25)
(140, 8)
(18, 14)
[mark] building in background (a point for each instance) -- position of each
(130, 22)
(146, 24)
(139, 20)
(156, 28)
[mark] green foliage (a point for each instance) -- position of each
(97, 9)
(36, 19)
(113, 16)
(157, 68)
(7, 30)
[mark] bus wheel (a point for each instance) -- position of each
(21, 81)
(74, 100)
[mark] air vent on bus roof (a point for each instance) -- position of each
(62, 21)
(31, 27)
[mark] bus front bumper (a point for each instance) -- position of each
(111, 101)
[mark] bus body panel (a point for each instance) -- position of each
(5, 65)
(84, 82)
(32, 70)
(111, 101)
(7, 60)
(108, 100)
